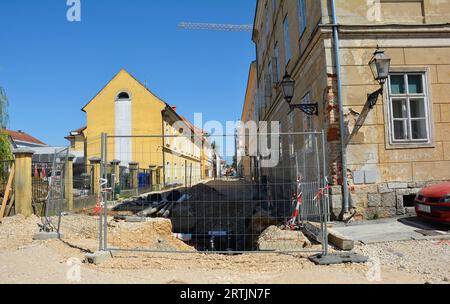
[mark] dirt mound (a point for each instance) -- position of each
(79, 226)
(154, 234)
(275, 239)
(18, 231)
(261, 220)
(205, 191)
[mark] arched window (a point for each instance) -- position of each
(123, 96)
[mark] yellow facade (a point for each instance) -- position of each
(76, 143)
(155, 140)
(249, 114)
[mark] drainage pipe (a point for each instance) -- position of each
(337, 57)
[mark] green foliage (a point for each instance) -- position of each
(5, 147)
(4, 118)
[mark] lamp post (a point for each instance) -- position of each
(288, 86)
(380, 65)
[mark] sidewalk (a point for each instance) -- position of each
(391, 230)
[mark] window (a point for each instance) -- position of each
(281, 143)
(291, 129)
(276, 76)
(308, 125)
(270, 67)
(302, 15)
(408, 108)
(267, 22)
(123, 96)
(287, 41)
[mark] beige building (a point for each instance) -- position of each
(247, 164)
(402, 143)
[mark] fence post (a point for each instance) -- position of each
(153, 181)
(23, 187)
(69, 181)
(116, 179)
(95, 162)
(134, 174)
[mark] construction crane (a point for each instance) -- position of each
(216, 27)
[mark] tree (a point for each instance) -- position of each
(5, 147)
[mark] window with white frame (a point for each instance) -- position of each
(287, 41)
(409, 109)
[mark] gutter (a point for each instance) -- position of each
(337, 57)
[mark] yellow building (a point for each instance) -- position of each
(247, 163)
(142, 129)
(77, 142)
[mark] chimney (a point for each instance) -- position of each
(174, 108)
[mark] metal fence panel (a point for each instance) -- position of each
(56, 201)
(261, 212)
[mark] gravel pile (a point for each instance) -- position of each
(275, 239)
(18, 231)
(79, 226)
(429, 259)
(154, 234)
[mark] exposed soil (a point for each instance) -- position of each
(155, 234)
(26, 261)
(237, 209)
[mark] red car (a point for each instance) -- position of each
(433, 203)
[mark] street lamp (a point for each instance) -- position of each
(288, 85)
(380, 65)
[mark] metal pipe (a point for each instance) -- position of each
(342, 132)
(105, 193)
(326, 208)
(211, 252)
(99, 197)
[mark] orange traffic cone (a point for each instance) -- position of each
(98, 208)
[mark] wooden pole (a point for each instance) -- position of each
(8, 190)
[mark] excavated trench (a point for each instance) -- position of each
(222, 215)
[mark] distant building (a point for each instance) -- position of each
(20, 139)
(42, 151)
(143, 129)
(77, 141)
(248, 164)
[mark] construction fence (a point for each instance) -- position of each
(228, 213)
(165, 194)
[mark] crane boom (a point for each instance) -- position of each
(216, 27)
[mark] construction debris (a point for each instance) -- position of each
(275, 239)
(154, 234)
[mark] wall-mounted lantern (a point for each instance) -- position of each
(288, 85)
(380, 65)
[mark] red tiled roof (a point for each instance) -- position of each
(80, 130)
(22, 136)
(197, 131)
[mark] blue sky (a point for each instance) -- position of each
(50, 68)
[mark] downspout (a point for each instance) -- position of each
(342, 131)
